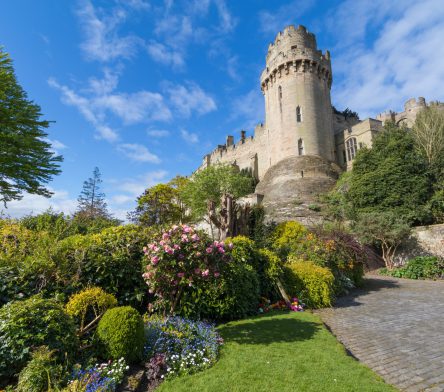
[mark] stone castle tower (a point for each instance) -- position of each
(296, 85)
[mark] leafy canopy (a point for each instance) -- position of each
(209, 184)
(27, 162)
(391, 176)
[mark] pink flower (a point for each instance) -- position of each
(169, 250)
(197, 270)
(185, 238)
(209, 250)
(154, 260)
(206, 272)
(187, 229)
(175, 246)
(198, 254)
(221, 250)
(181, 274)
(195, 237)
(145, 250)
(165, 236)
(175, 227)
(216, 274)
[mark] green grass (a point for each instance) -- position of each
(280, 352)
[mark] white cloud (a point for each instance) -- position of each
(406, 59)
(137, 152)
(99, 99)
(35, 204)
(136, 186)
(158, 133)
(248, 109)
(190, 97)
(272, 22)
(189, 137)
(227, 21)
(56, 146)
(165, 55)
(121, 199)
(102, 41)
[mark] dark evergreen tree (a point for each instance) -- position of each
(27, 162)
(91, 200)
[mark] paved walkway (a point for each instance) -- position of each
(396, 327)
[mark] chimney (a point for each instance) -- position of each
(243, 136)
(230, 140)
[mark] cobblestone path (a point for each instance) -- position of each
(396, 327)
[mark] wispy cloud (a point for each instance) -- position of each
(56, 146)
(165, 55)
(248, 109)
(100, 98)
(138, 152)
(405, 60)
(276, 20)
(102, 40)
(135, 186)
(190, 98)
(189, 137)
(158, 133)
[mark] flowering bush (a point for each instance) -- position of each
(103, 377)
(182, 258)
(182, 346)
(295, 305)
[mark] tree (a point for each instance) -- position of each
(428, 133)
(91, 202)
(27, 162)
(391, 176)
(211, 194)
(384, 229)
(161, 204)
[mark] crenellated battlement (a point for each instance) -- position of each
(295, 51)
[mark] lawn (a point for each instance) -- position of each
(280, 352)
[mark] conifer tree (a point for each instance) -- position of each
(91, 202)
(27, 162)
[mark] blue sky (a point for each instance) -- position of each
(144, 88)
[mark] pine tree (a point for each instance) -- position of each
(26, 159)
(91, 202)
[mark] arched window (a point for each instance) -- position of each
(300, 147)
(352, 148)
(298, 114)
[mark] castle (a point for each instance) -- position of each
(304, 144)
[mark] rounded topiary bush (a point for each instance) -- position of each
(34, 322)
(122, 333)
(312, 283)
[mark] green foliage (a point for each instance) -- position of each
(436, 206)
(420, 267)
(31, 323)
(260, 231)
(88, 307)
(121, 332)
(311, 283)
(161, 204)
(91, 202)
(391, 176)
(27, 162)
(209, 184)
(338, 207)
(57, 225)
(286, 237)
(384, 229)
(112, 260)
(41, 374)
(269, 269)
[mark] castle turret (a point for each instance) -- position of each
(296, 85)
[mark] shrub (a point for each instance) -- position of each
(286, 236)
(112, 260)
(31, 323)
(121, 332)
(313, 284)
(420, 267)
(181, 346)
(182, 261)
(41, 374)
(88, 307)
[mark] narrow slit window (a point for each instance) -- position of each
(300, 147)
(280, 98)
(298, 114)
